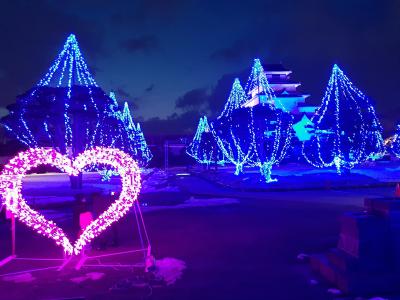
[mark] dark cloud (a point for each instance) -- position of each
(35, 33)
(3, 111)
(150, 88)
(94, 70)
(194, 99)
(200, 41)
(140, 13)
(240, 49)
(192, 105)
(183, 124)
(132, 106)
(123, 93)
(144, 43)
(124, 96)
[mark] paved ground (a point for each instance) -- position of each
(245, 250)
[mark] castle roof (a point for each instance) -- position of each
(275, 68)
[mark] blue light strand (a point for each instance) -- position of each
(395, 142)
(257, 86)
(353, 135)
(241, 140)
(203, 147)
(236, 99)
(136, 134)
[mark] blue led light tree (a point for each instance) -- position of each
(234, 138)
(111, 132)
(203, 147)
(143, 149)
(395, 142)
(271, 131)
(258, 89)
(236, 99)
(64, 109)
(347, 130)
(193, 148)
(270, 126)
(143, 154)
(251, 130)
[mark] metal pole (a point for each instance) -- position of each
(13, 235)
(166, 156)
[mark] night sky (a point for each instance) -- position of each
(174, 60)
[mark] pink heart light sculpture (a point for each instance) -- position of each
(16, 169)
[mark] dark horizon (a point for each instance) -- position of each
(177, 61)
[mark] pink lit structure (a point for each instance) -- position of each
(17, 168)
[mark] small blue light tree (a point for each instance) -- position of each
(258, 89)
(395, 143)
(112, 133)
(257, 85)
(236, 99)
(111, 130)
(143, 154)
(203, 147)
(347, 130)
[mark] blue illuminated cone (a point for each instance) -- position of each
(236, 99)
(203, 147)
(62, 110)
(347, 130)
(258, 89)
(69, 68)
(395, 142)
(143, 153)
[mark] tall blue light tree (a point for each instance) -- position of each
(226, 148)
(347, 130)
(256, 135)
(62, 109)
(67, 110)
(203, 147)
(233, 137)
(271, 130)
(270, 126)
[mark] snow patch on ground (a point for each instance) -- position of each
(169, 269)
(94, 276)
(155, 189)
(20, 278)
(195, 202)
(334, 291)
(303, 256)
(157, 181)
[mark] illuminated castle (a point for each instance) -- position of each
(285, 89)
